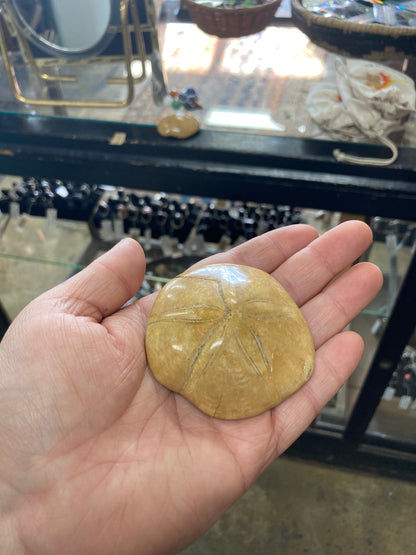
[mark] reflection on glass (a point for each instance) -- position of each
(66, 27)
(187, 49)
(236, 118)
(385, 12)
(396, 414)
(280, 51)
(391, 251)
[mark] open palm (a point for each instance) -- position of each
(96, 457)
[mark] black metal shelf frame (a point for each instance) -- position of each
(247, 167)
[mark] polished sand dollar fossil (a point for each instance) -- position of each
(230, 339)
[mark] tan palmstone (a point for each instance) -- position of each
(230, 339)
(179, 126)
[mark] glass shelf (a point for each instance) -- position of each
(395, 416)
(256, 84)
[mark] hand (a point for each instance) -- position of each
(96, 457)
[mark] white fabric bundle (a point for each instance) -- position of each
(368, 100)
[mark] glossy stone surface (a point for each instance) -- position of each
(230, 339)
(178, 126)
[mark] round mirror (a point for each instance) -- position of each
(70, 29)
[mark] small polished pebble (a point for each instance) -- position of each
(230, 339)
(176, 103)
(178, 126)
(190, 99)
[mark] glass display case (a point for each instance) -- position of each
(396, 413)
(259, 161)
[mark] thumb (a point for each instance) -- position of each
(105, 285)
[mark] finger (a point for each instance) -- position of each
(335, 362)
(266, 251)
(307, 272)
(105, 285)
(330, 311)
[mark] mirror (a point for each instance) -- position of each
(70, 29)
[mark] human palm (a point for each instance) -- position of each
(96, 457)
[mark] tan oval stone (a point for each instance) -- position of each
(178, 126)
(230, 339)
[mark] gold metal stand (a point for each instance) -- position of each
(40, 67)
